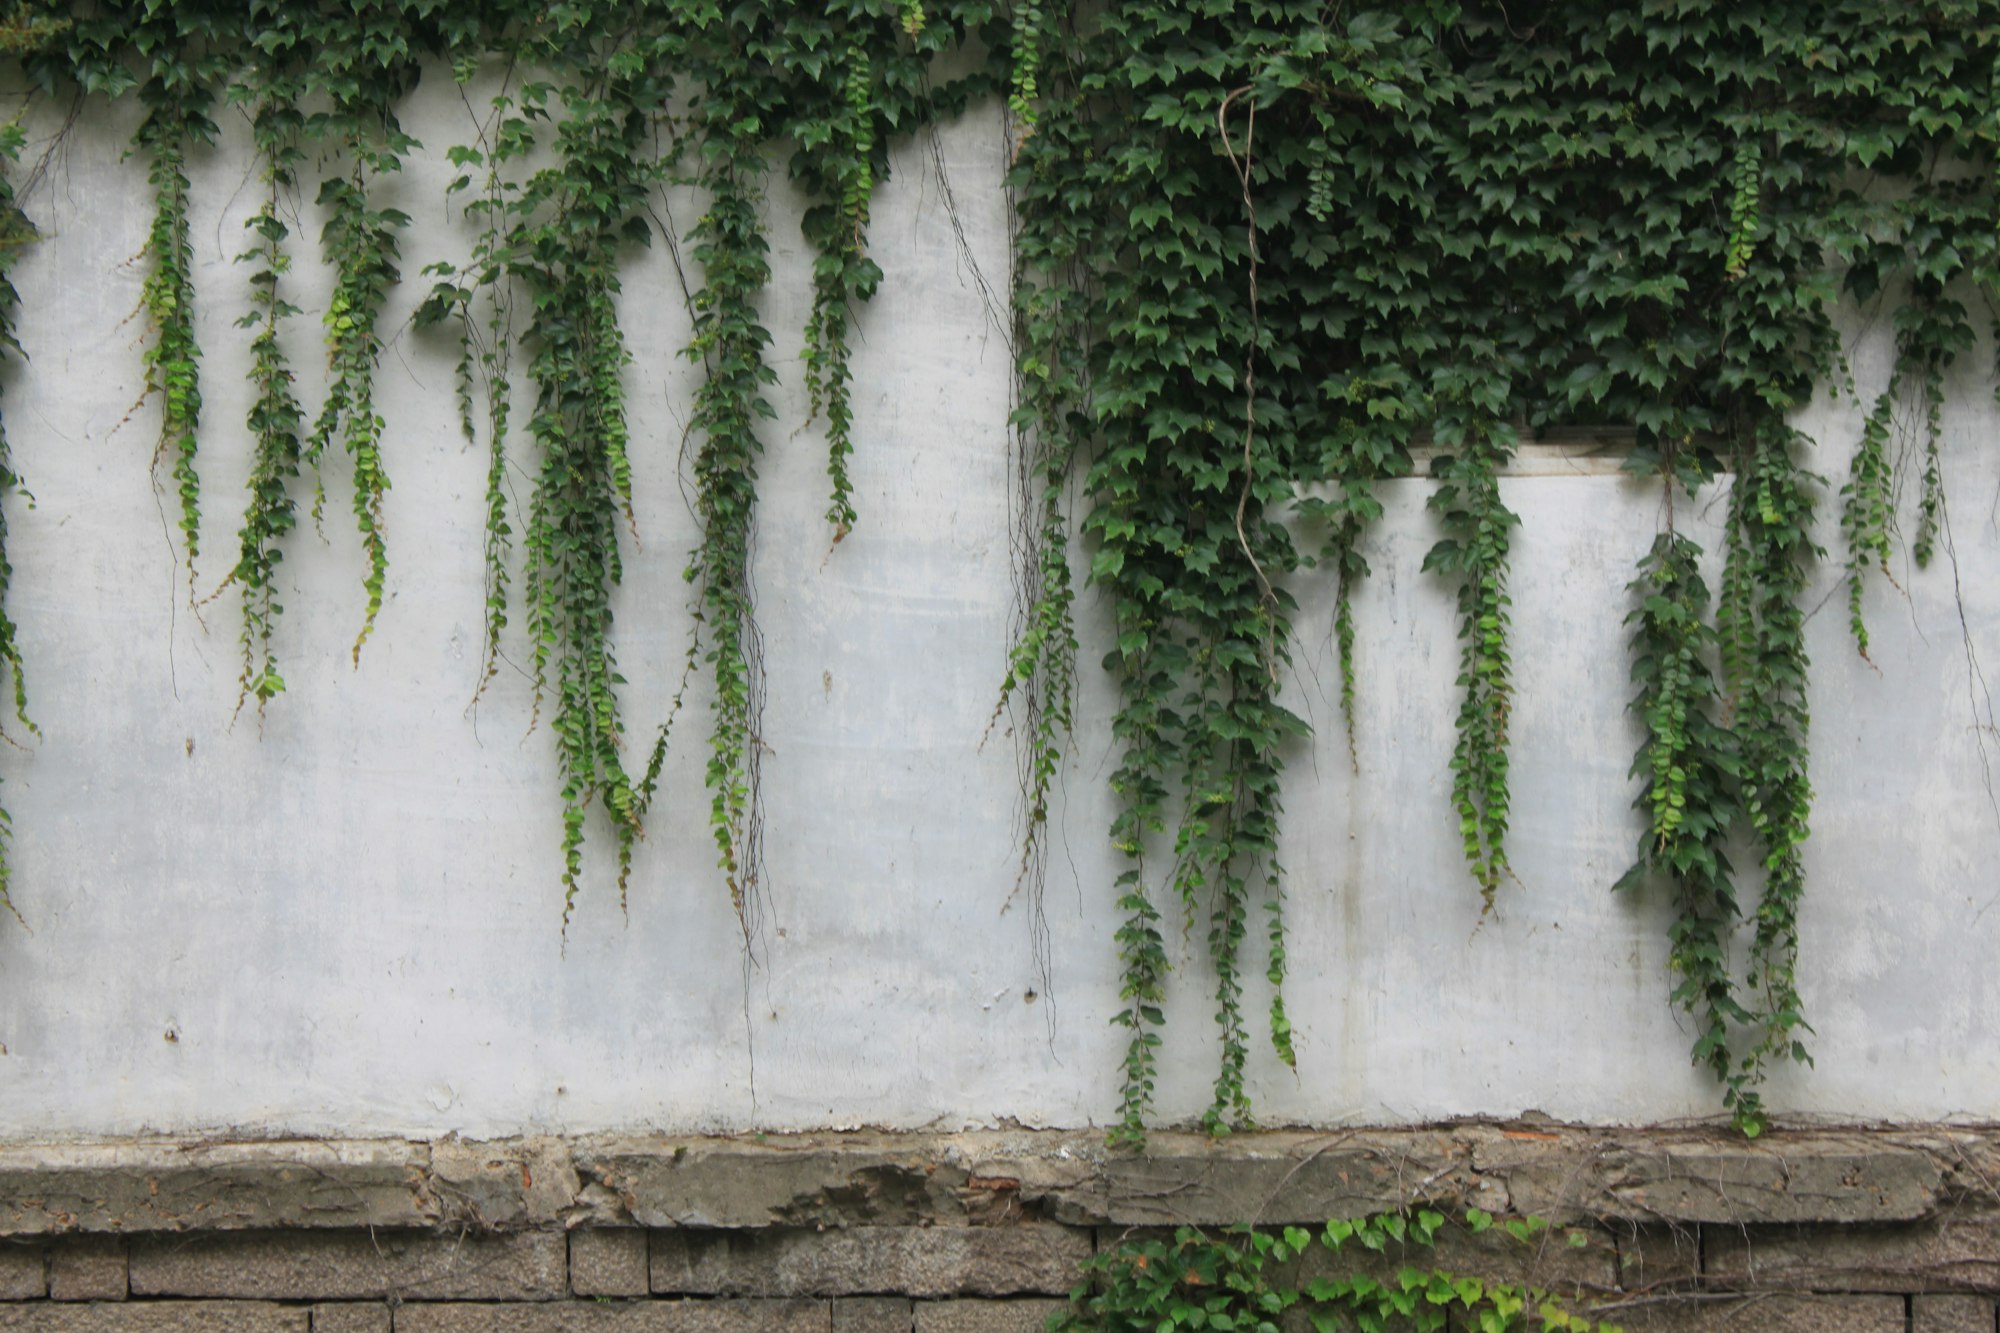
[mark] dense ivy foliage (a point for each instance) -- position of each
(1269, 246)
(1265, 249)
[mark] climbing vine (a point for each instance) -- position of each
(1268, 254)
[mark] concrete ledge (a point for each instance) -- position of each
(1563, 1173)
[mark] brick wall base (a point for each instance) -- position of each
(1821, 1230)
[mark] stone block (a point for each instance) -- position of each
(1955, 1251)
(1951, 1314)
(872, 1314)
(351, 1317)
(306, 1265)
(984, 1316)
(88, 1268)
(1763, 1314)
(608, 1261)
(1653, 1257)
(24, 1272)
(904, 1261)
(156, 1317)
(620, 1317)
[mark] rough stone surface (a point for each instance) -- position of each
(511, 1183)
(160, 1317)
(1563, 1259)
(88, 1268)
(984, 1316)
(1667, 1178)
(24, 1272)
(178, 1184)
(873, 1314)
(354, 1266)
(620, 1317)
(351, 1317)
(1279, 1177)
(608, 1261)
(1656, 1256)
(1766, 1314)
(908, 1261)
(1957, 1251)
(803, 1180)
(1951, 1314)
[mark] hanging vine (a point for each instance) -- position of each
(367, 61)
(837, 80)
(275, 419)
(1264, 251)
(1688, 765)
(1473, 224)
(569, 222)
(16, 232)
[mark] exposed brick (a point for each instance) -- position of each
(905, 1261)
(608, 1261)
(303, 1265)
(620, 1317)
(1952, 1252)
(1650, 1257)
(155, 1317)
(1764, 1314)
(984, 1316)
(87, 1268)
(1951, 1314)
(872, 1314)
(351, 1317)
(24, 1272)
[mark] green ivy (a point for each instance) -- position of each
(276, 421)
(364, 59)
(1266, 249)
(1254, 1280)
(1689, 766)
(837, 80)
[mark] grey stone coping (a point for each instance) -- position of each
(1561, 1172)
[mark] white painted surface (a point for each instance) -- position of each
(349, 924)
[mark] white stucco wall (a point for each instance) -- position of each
(349, 924)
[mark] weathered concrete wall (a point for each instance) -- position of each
(348, 924)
